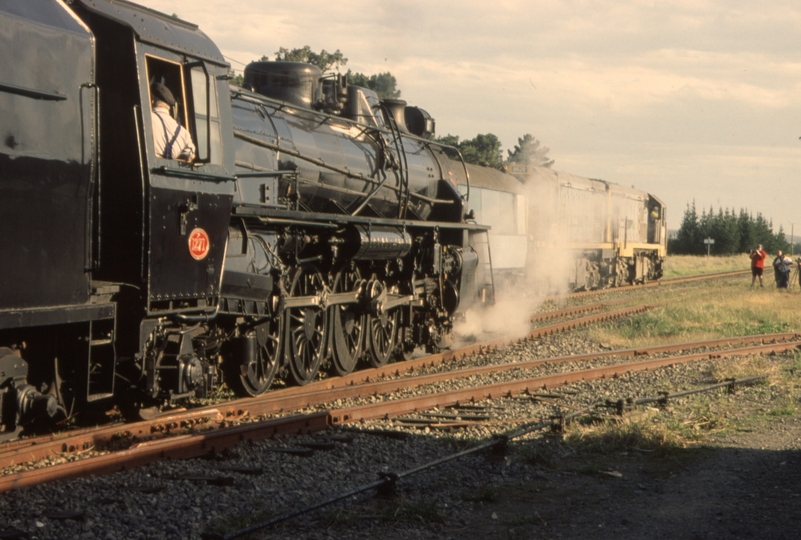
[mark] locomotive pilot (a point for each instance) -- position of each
(172, 141)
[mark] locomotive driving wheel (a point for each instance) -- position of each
(382, 331)
(253, 378)
(347, 324)
(305, 327)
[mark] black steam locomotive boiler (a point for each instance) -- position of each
(316, 225)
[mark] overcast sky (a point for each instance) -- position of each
(689, 100)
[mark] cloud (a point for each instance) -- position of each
(688, 98)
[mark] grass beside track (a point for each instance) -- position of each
(718, 309)
(688, 265)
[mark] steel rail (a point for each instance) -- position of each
(699, 277)
(386, 409)
(547, 315)
(186, 446)
(215, 441)
(300, 397)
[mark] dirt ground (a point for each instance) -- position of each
(746, 485)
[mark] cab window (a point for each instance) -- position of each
(206, 113)
(196, 107)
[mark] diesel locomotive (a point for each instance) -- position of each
(616, 234)
(553, 231)
(315, 227)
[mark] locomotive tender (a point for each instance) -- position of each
(316, 225)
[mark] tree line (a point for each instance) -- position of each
(483, 149)
(732, 232)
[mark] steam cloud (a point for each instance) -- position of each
(549, 270)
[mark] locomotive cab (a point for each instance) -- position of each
(162, 223)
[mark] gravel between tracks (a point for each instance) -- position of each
(717, 493)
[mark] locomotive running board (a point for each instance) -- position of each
(276, 216)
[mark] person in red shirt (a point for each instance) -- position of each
(758, 257)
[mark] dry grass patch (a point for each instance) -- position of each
(695, 419)
(743, 368)
(614, 437)
(700, 417)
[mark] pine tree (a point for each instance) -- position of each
(745, 224)
(528, 151)
(689, 234)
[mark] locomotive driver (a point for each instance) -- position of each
(172, 141)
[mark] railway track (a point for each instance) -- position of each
(291, 398)
(498, 445)
(185, 495)
(198, 444)
(663, 282)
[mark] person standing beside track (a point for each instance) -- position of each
(758, 257)
(781, 265)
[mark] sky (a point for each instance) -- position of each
(692, 101)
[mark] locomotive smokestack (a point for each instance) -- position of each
(396, 108)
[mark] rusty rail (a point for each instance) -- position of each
(392, 408)
(567, 312)
(357, 385)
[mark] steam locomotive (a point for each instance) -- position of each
(316, 225)
(555, 232)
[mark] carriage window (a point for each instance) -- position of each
(498, 209)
